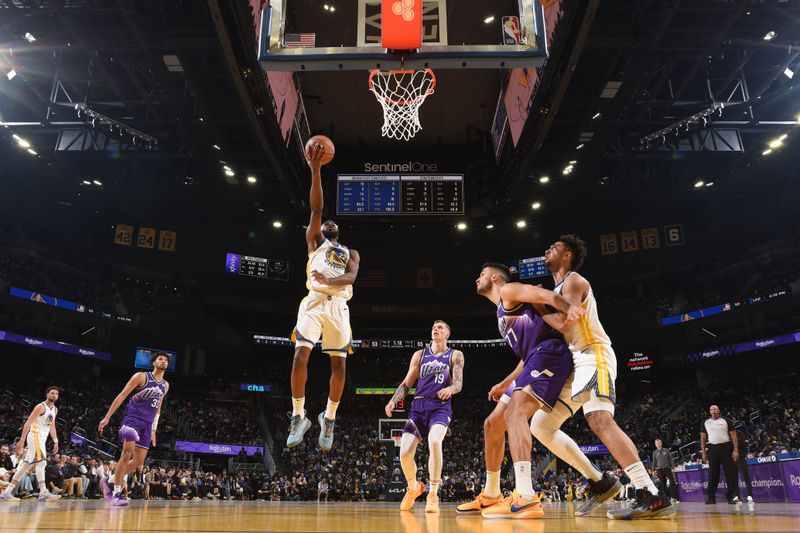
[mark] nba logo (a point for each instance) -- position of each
(511, 34)
(401, 24)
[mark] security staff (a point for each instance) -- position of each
(662, 466)
(719, 446)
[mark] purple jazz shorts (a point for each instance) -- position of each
(138, 431)
(546, 371)
(425, 412)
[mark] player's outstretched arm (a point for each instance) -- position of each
(349, 276)
(458, 377)
(524, 293)
(315, 197)
(411, 377)
(137, 380)
(37, 411)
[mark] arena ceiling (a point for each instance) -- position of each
(712, 77)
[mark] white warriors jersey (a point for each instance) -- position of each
(588, 330)
(41, 426)
(329, 259)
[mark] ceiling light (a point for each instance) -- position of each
(86, 182)
(98, 183)
(536, 205)
(573, 162)
(567, 170)
(23, 143)
(521, 223)
(770, 35)
(326, 7)
(490, 226)
(277, 224)
(32, 151)
(251, 179)
(16, 137)
(544, 179)
(461, 226)
(767, 151)
(710, 184)
(333, 9)
(30, 38)
(788, 73)
(699, 184)
(11, 74)
(488, 19)
(230, 173)
(226, 167)
(783, 137)
(216, 147)
(579, 146)
(775, 143)
(597, 115)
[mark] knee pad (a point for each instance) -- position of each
(546, 424)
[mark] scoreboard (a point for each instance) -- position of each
(400, 194)
(532, 267)
(256, 267)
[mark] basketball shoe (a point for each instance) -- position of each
(106, 489)
(325, 432)
(432, 503)
(646, 507)
(298, 425)
(8, 497)
(599, 492)
(479, 504)
(47, 496)
(515, 507)
(411, 496)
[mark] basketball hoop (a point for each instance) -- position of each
(401, 93)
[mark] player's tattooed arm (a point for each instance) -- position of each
(411, 377)
(458, 377)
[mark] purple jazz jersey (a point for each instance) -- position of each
(141, 411)
(548, 361)
(427, 409)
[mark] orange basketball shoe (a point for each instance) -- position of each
(411, 496)
(479, 504)
(515, 507)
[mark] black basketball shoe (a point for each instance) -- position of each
(646, 507)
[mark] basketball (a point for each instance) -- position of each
(327, 157)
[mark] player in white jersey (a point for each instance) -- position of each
(40, 424)
(592, 387)
(332, 269)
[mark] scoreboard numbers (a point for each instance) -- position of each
(400, 194)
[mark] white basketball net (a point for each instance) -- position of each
(401, 93)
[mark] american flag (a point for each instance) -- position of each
(373, 277)
(300, 40)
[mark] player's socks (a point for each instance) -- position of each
(435, 486)
(330, 410)
(117, 489)
(523, 481)
(492, 489)
(640, 478)
(298, 406)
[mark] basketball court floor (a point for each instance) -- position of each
(219, 517)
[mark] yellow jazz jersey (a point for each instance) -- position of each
(588, 330)
(329, 259)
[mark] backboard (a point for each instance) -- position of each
(298, 35)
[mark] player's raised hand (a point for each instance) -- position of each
(314, 155)
(102, 425)
(390, 408)
(496, 392)
(445, 393)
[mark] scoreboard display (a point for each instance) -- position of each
(400, 194)
(256, 267)
(532, 267)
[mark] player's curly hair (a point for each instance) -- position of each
(156, 355)
(501, 269)
(578, 249)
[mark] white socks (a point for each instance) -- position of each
(565, 448)
(522, 479)
(435, 486)
(640, 478)
(330, 410)
(117, 489)
(492, 488)
(298, 406)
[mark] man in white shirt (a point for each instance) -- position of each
(719, 446)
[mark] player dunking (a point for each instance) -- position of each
(138, 429)
(40, 424)
(545, 366)
(595, 372)
(431, 411)
(332, 269)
